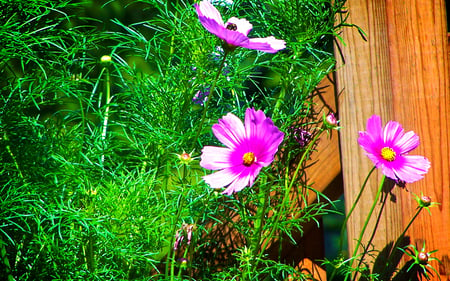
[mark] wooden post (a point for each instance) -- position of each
(401, 73)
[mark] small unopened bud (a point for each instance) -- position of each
(185, 158)
(422, 257)
(425, 201)
(330, 121)
(183, 262)
(105, 59)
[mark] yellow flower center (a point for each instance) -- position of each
(248, 158)
(388, 154)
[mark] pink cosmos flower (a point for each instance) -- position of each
(234, 32)
(248, 148)
(388, 149)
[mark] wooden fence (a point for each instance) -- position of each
(400, 73)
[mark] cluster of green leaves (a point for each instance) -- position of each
(91, 183)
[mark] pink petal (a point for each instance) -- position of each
(211, 19)
(233, 38)
(367, 143)
(207, 10)
(374, 128)
(220, 178)
(259, 135)
(246, 177)
(230, 131)
(237, 185)
(413, 168)
(253, 120)
(264, 135)
(269, 148)
(269, 44)
(215, 158)
(408, 142)
(392, 131)
(376, 159)
(213, 26)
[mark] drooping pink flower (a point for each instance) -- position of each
(388, 149)
(234, 32)
(249, 148)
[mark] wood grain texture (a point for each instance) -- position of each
(401, 73)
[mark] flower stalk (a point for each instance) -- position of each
(347, 217)
(366, 222)
(288, 187)
(108, 101)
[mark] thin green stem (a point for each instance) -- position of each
(366, 223)
(287, 190)
(304, 157)
(6, 138)
(344, 224)
(171, 254)
(279, 102)
(361, 259)
(347, 217)
(172, 267)
(411, 221)
(260, 214)
(108, 101)
(402, 235)
(210, 97)
(255, 245)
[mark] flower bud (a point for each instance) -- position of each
(425, 201)
(422, 257)
(330, 121)
(183, 262)
(105, 59)
(185, 158)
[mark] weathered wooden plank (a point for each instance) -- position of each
(401, 73)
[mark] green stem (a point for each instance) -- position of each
(257, 234)
(304, 157)
(260, 214)
(361, 259)
(6, 138)
(411, 221)
(347, 217)
(171, 254)
(172, 267)
(366, 223)
(280, 100)
(344, 224)
(288, 187)
(108, 101)
(402, 235)
(210, 97)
